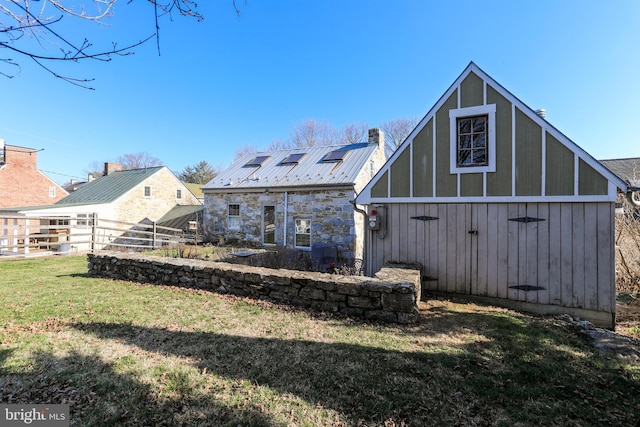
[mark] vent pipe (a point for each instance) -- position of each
(542, 113)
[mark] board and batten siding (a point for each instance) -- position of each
(558, 258)
(530, 161)
(563, 258)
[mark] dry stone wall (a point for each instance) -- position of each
(391, 296)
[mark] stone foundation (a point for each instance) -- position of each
(391, 296)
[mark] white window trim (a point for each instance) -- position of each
(233, 216)
(52, 191)
(83, 220)
(490, 111)
(295, 234)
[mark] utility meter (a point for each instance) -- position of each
(374, 220)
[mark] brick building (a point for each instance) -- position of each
(21, 183)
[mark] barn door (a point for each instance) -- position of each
(504, 250)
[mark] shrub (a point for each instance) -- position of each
(628, 249)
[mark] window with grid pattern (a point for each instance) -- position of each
(472, 141)
(303, 233)
(233, 217)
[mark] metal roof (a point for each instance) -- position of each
(309, 171)
(179, 216)
(109, 188)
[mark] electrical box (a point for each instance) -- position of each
(374, 220)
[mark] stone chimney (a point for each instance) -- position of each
(376, 136)
(111, 167)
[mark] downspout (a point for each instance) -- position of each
(633, 196)
(364, 227)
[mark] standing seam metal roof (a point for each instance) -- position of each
(107, 189)
(309, 171)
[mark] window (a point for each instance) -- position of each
(335, 156)
(303, 233)
(178, 194)
(473, 139)
(233, 217)
(147, 191)
(292, 159)
(257, 161)
(52, 191)
(84, 220)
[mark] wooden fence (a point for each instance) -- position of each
(31, 235)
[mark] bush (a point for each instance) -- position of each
(628, 250)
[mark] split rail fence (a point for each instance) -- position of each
(28, 236)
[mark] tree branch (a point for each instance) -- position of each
(38, 18)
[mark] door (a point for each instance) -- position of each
(269, 225)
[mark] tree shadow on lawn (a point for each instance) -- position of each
(530, 376)
(100, 396)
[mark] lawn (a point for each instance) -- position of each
(126, 354)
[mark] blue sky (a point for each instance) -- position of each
(231, 81)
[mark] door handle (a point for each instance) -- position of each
(473, 232)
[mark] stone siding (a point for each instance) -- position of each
(333, 218)
(134, 207)
(391, 296)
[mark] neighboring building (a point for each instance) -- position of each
(629, 170)
(496, 203)
(21, 183)
(196, 189)
(299, 198)
(125, 196)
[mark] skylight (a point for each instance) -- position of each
(258, 161)
(292, 158)
(335, 156)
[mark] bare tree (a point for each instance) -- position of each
(395, 132)
(312, 133)
(138, 161)
(29, 29)
(245, 149)
(95, 169)
(354, 133)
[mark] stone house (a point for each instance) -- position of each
(21, 183)
(301, 198)
(126, 196)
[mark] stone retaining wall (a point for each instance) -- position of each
(391, 296)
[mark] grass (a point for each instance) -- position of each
(126, 354)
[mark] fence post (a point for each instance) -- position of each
(153, 243)
(26, 236)
(94, 232)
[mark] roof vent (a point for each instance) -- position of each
(542, 113)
